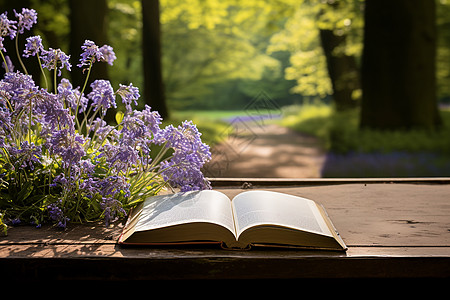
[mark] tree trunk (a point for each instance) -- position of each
(398, 65)
(154, 94)
(88, 21)
(342, 69)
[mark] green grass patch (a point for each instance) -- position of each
(311, 119)
(341, 133)
(211, 124)
(353, 152)
(215, 125)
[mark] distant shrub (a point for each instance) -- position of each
(355, 152)
(341, 133)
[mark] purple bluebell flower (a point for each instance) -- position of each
(102, 130)
(9, 67)
(86, 166)
(27, 18)
(51, 111)
(91, 53)
(93, 166)
(57, 215)
(26, 156)
(152, 119)
(128, 94)
(89, 186)
(190, 154)
(6, 127)
(7, 27)
(119, 157)
(179, 172)
(55, 59)
(2, 47)
(185, 137)
(18, 89)
(138, 130)
(66, 94)
(33, 46)
(16, 221)
(133, 129)
(112, 185)
(102, 95)
(68, 145)
(71, 97)
(112, 209)
(5, 88)
(108, 54)
(18, 81)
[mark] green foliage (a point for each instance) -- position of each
(214, 53)
(300, 37)
(125, 36)
(312, 119)
(3, 227)
(59, 159)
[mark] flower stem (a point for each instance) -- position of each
(81, 94)
(87, 78)
(30, 120)
(4, 61)
(42, 70)
(18, 55)
(54, 82)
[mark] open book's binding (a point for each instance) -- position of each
(235, 246)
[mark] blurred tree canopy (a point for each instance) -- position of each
(221, 54)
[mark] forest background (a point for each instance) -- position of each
(306, 56)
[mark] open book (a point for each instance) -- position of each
(252, 218)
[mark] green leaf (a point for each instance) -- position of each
(26, 190)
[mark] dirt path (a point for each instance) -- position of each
(266, 151)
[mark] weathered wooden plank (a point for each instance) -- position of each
(393, 230)
(206, 265)
(364, 215)
(280, 182)
(382, 214)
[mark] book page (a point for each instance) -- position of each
(272, 208)
(197, 206)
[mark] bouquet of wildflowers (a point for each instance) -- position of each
(59, 159)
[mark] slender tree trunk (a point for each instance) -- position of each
(88, 21)
(342, 69)
(154, 93)
(398, 65)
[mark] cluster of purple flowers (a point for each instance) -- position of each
(41, 135)
(102, 95)
(7, 28)
(92, 53)
(57, 215)
(184, 168)
(26, 19)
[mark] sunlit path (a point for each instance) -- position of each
(266, 150)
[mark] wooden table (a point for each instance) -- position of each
(394, 228)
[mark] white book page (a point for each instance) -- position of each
(271, 208)
(197, 206)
